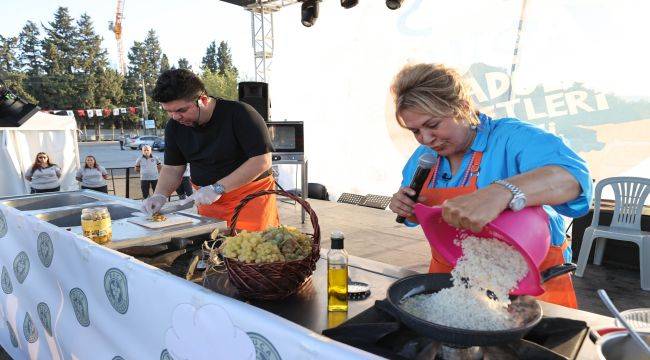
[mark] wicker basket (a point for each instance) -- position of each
(272, 281)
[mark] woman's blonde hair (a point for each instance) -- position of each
(432, 89)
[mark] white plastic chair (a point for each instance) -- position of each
(630, 194)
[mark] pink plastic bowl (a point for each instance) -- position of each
(526, 230)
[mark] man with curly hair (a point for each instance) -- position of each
(227, 145)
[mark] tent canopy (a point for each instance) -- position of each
(53, 134)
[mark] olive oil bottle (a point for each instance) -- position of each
(337, 274)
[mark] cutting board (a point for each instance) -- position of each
(171, 220)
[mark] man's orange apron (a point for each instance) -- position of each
(257, 215)
(558, 290)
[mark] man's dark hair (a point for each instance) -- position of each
(177, 84)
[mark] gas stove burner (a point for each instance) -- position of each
(379, 333)
(448, 352)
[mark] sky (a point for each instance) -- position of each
(185, 28)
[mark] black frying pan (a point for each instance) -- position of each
(525, 307)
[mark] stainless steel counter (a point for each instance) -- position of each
(63, 209)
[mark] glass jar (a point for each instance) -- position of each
(96, 224)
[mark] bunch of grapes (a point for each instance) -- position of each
(281, 243)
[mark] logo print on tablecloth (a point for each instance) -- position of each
(44, 315)
(29, 329)
(264, 349)
(21, 266)
(3, 225)
(118, 358)
(45, 249)
(12, 335)
(80, 306)
(165, 355)
(6, 282)
(117, 290)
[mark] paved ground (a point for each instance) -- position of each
(108, 154)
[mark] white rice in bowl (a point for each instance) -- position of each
(486, 264)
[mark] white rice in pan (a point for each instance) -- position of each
(486, 264)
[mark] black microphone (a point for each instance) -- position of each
(425, 163)
(446, 176)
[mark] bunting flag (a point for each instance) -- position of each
(89, 113)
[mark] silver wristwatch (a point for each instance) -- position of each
(518, 200)
(218, 188)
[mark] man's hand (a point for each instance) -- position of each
(153, 204)
(205, 195)
(473, 211)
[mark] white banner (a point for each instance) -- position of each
(352, 139)
(90, 113)
(116, 112)
(65, 297)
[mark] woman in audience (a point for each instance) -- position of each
(92, 176)
(149, 168)
(43, 175)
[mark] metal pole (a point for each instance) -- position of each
(145, 110)
(128, 178)
(515, 57)
(263, 43)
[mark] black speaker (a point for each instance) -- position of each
(14, 111)
(256, 94)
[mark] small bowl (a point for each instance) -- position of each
(637, 318)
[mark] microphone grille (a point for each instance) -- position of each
(427, 160)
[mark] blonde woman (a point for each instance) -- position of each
(520, 165)
(92, 176)
(43, 175)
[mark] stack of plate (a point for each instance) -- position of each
(639, 319)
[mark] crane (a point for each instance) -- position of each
(116, 28)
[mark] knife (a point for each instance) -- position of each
(177, 207)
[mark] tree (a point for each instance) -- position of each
(145, 63)
(94, 84)
(31, 53)
(10, 68)
(58, 86)
(183, 63)
(224, 59)
(209, 62)
(164, 63)
(223, 86)
(59, 40)
(90, 57)
(9, 62)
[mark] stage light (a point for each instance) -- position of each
(14, 111)
(309, 12)
(349, 3)
(394, 4)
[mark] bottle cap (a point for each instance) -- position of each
(337, 240)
